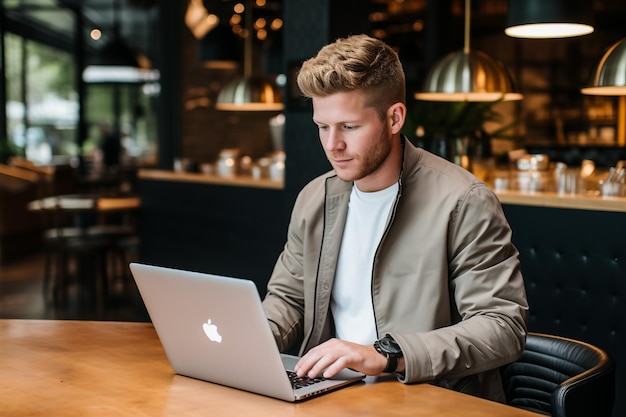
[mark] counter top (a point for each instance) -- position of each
(238, 181)
(541, 199)
(572, 201)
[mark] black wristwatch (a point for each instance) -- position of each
(390, 349)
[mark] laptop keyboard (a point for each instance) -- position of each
(304, 381)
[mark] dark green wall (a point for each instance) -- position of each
(574, 267)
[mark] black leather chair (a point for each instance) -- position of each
(561, 377)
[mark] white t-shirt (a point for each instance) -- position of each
(351, 302)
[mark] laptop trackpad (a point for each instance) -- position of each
(290, 362)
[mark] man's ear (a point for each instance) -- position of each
(396, 115)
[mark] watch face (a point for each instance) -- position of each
(389, 345)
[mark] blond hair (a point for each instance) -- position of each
(358, 62)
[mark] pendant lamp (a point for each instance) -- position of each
(609, 79)
(219, 49)
(549, 18)
(199, 20)
(468, 75)
(117, 63)
(609, 76)
(252, 92)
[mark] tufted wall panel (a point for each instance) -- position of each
(574, 266)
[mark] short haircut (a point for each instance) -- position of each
(358, 62)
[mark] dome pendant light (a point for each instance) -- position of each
(251, 92)
(117, 63)
(468, 75)
(542, 19)
(609, 76)
(609, 79)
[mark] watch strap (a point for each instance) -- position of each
(392, 358)
(392, 364)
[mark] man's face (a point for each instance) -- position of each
(356, 141)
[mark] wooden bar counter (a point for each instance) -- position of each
(81, 368)
(235, 181)
(563, 201)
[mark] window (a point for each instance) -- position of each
(42, 104)
(42, 90)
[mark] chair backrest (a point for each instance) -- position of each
(561, 377)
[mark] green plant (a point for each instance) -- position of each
(7, 150)
(452, 119)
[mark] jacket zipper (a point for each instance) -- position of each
(382, 239)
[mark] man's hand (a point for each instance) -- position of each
(334, 355)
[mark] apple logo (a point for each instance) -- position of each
(210, 330)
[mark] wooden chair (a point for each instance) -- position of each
(81, 245)
(73, 254)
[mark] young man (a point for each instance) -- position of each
(397, 261)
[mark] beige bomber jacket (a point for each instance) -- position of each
(446, 281)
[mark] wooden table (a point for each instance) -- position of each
(86, 202)
(81, 368)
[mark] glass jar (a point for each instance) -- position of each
(277, 166)
(226, 165)
(533, 174)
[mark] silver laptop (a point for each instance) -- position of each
(214, 328)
